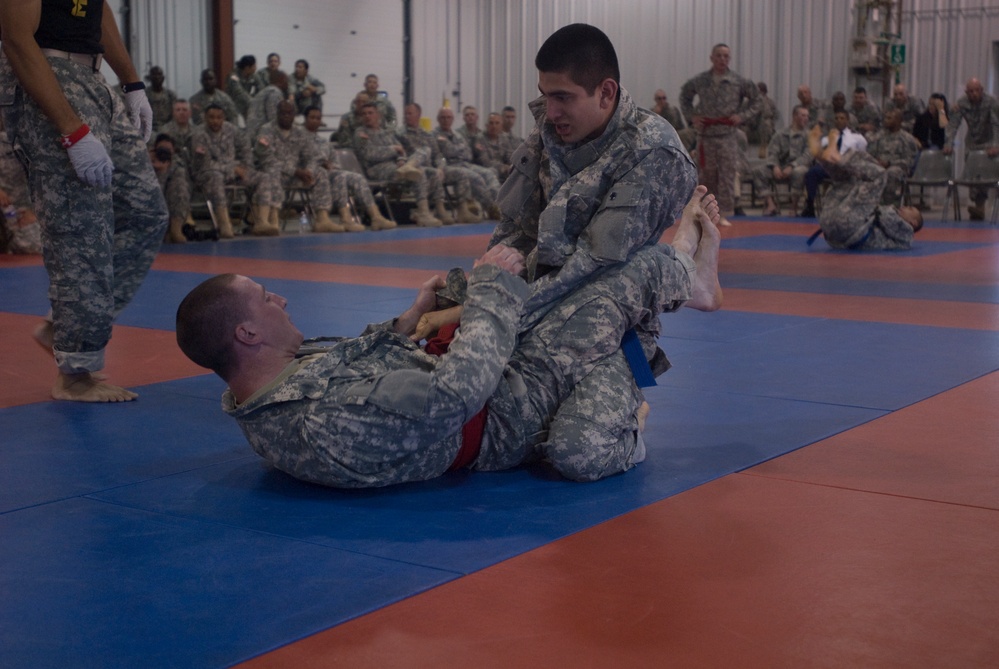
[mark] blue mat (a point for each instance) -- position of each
(798, 244)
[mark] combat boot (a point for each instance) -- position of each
(323, 223)
(423, 217)
(465, 214)
(379, 222)
(176, 233)
(475, 207)
(442, 214)
(275, 220)
(348, 222)
(409, 172)
(225, 224)
(494, 213)
(261, 221)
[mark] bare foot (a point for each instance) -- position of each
(706, 291)
(642, 414)
(815, 141)
(86, 387)
(43, 335)
(688, 232)
(831, 153)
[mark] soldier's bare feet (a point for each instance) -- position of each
(86, 387)
(688, 232)
(815, 141)
(698, 236)
(831, 154)
(642, 414)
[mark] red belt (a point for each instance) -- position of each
(707, 123)
(472, 431)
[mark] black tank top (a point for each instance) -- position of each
(71, 25)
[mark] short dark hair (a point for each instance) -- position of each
(163, 154)
(206, 319)
(510, 108)
(584, 52)
(303, 62)
(246, 61)
(312, 108)
(860, 89)
(213, 105)
(164, 137)
(417, 105)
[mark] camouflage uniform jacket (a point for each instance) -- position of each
(162, 105)
(304, 100)
(219, 151)
(572, 209)
(263, 108)
(385, 109)
(453, 146)
(374, 147)
(241, 90)
(982, 120)
(720, 98)
(494, 153)
(898, 149)
(911, 109)
(414, 139)
(377, 410)
(201, 100)
(282, 152)
(789, 147)
(868, 114)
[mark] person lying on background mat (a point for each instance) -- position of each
(377, 410)
(852, 216)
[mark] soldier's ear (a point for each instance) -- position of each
(608, 93)
(247, 334)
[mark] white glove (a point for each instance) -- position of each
(91, 161)
(140, 113)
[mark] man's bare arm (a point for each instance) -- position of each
(115, 52)
(20, 19)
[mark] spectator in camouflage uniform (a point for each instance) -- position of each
(762, 130)
(370, 94)
(816, 108)
(494, 148)
(160, 99)
(343, 183)
(896, 151)
(415, 139)
(181, 130)
(853, 217)
(210, 94)
(273, 66)
(837, 103)
(350, 122)
(306, 90)
(286, 157)
(725, 101)
(981, 113)
(91, 182)
(456, 151)
(242, 84)
(176, 187)
(400, 415)
(596, 179)
(788, 159)
(220, 157)
(470, 130)
(866, 112)
(263, 107)
(510, 125)
(667, 111)
(384, 158)
(910, 106)
(20, 231)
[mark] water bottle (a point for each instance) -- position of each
(304, 225)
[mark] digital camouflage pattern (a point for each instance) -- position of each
(787, 147)
(343, 183)
(911, 109)
(263, 109)
(176, 187)
(162, 105)
(376, 151)
(458, 154)
(496, 154)
(852, 216)
(303, 99)
(376, 410)
(98, 242)
(983, 130)
(16, 236)
(200, 101)
(277, 154)
(900, 150)
(242, 89)
(215, 156)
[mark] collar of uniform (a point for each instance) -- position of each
(576, 157)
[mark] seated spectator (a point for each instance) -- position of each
(416, 140)
(837, 103)
(181, 130)
(668, 111)
(343, 183)
(788, 159)
(911, 107)
(457, 153)
(762, 128)
(384, 158)
(221, 157)
(895, 150)
(176, 187)
(307, 90)
(285, 156)
(510, 123)
(816, 174)
(981, 112)
(243, 84)
(470, 131)
(350, 122)
(273, 66)
(816, 108)
(263, 107)
(867, 113)
(853, 217)
(371, 94)
(160, 99)
(930, 129)
(211, 95)
(494, 149)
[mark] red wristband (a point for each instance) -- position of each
(69, 140)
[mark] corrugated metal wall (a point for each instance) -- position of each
(481, 52)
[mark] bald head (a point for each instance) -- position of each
(974, 90)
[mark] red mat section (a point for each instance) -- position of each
(135, 357)
(865, 559)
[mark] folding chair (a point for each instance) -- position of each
(933, 169)
(980, 171)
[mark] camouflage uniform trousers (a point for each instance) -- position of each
(176, 187)
(721, 158)
(343, 184)
(482, 180)
(764, 181)
(272, 185)
(213, 183)
(15, 236)
(98, 242)
(431, 187)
